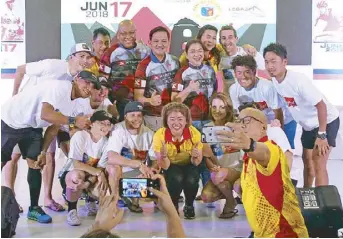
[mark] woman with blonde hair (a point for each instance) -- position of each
(224, 163)
(178, 150)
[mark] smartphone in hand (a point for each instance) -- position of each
(137, 187)
(209, 135)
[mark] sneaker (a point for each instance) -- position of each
(36, 213)
(91, 208)
(188, 212)
(72, 218)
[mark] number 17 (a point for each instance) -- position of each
(115, 8)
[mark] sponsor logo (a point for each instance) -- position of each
(207, 9)
(244, 11)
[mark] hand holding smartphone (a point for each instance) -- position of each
(209, 135)
(137, 187)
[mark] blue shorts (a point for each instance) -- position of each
(290, 130)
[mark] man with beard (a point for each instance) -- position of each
(228, 39)
(129, 147)
(154, 77)
(25, 115)
(123, 59)
(34, 73)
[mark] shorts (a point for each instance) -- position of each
(29, 140)
(62, 137)
(132, 174)
(290, 130)
(308, 138)
(153, 122)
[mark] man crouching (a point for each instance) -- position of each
(86, 167)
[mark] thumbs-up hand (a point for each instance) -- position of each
(195, 151)
(164, 153)
(155, 99)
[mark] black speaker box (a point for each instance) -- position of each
(322, 210)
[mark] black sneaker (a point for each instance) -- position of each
(188, 212)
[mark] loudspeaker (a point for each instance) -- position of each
(322, 210)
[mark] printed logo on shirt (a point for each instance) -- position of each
(134, 154)
(290, 101)
(90, 160)
(140, 83)
(263, 105)
(177, 87)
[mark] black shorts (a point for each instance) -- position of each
(30, 141)
(308, 138)
(62, 137)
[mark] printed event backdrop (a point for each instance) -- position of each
(327, 41)
(13, 48)
(255, 20)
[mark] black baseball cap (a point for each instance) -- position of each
(87, 75)
(102, 115)
(104, 82)
(133, 106)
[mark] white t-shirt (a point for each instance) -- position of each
(301, 97)
(39, 71)
(128, 145)
(104, 105)
(262, 93)
(24, 109)
(279, 137)
(80, 107)
(84, 149)
(225, 62)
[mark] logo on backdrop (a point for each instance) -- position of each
(246, 11)
(207, 10)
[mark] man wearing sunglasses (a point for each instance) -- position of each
(268, 197)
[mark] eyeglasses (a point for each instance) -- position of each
(247, 120)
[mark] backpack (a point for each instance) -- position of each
(9, 212)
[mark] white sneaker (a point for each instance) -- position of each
(72, 218)
(91, 208)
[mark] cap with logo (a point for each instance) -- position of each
(133, 106)
(102, 115)
(80, 47)
(104, 82)
(87, 75)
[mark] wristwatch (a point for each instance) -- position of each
(252, 146)
(321, 135)
(71, 122)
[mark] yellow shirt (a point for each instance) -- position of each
(191, 136)
(269, 198)
(211, 61)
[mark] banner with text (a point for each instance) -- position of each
(327, 42)
(13, 48)
(254, 20)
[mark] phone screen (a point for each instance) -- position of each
(136, 187)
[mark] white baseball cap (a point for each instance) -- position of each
(80, 47)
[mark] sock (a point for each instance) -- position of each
(72, 205)
(34, 178)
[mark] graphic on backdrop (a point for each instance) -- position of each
(254, 20)
(327, 41)
(12, 36)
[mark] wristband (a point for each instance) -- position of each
(321, 132)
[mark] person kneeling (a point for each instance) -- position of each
(86, 167)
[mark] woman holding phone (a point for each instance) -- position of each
(224, 163)
(178, 150)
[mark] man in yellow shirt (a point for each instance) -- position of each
(268, 196)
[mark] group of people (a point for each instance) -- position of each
(126, 109)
